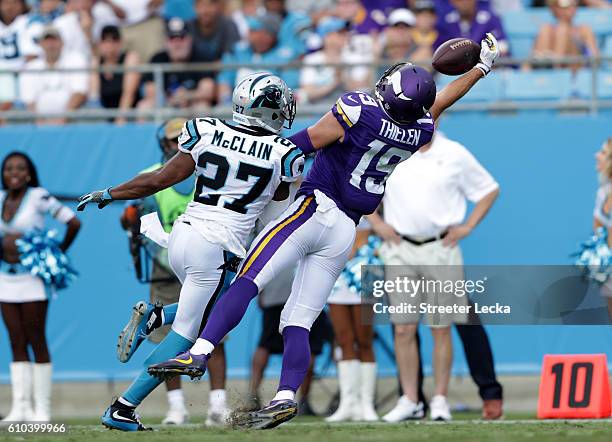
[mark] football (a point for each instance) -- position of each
(456, 56)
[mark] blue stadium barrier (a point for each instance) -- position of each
(538, 84)
(543, 162)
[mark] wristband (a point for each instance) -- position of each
(106, 195)
(302, 140)
(483, 68)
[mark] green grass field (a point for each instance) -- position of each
(464, 429)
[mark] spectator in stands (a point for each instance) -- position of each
(324, 83)
(262, 46)
(295, 26)
(45, 11)
(316, 9)
(46, 90)
(421, 234)
(469, 19)
(363, 44)
(213, 33)
(424, 33)
(182, 89)
(364, 20)
(82, 23)
(142, 25)
(603, 205)
(13, 24)
(564, 38)
(240, 16)
(115, 90)
(397, 39)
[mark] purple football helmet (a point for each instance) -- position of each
(406, 92)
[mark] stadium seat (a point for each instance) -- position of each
(604, 85)
(599, 20)
(525, 23)
(538, 85)
(583, 83)
(521, 45)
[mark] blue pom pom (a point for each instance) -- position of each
(41, 255)
(594, 257)
(366, 255)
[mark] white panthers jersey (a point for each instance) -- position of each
(13, 43)
(238, 170)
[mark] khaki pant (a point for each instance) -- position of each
(438, 269)
(165, 291)
(146, 38)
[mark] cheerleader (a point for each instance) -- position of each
(603, 205)
(23, 297)
(354, 335)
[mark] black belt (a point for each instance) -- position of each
(420, 242)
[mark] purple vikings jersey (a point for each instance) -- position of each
(353, 172)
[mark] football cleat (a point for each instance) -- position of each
(185, 363)
(145, 318)
(268, 417)
(122, 417)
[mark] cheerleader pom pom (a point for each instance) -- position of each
(366, 255)
(41, 255)
(594, 257)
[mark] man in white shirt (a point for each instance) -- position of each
(44, 89)
(424, 211)
(13, 44)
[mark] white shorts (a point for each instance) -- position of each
(21, 288)
(317, 236)
(197, 263)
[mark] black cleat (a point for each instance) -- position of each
(268, 417)
(122, 417)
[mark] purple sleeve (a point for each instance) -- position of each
(302, 140)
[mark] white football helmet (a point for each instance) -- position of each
(264, 100)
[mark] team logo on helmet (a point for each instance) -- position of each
(270, 97)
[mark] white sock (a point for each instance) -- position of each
(176, 398)
(284, 395)
(126, 402)
(217, 399)
(202, 347)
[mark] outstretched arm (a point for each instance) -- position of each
(458, 88)
(174, 171)
(321, 134)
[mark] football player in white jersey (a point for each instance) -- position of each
(240, 168)
(13, 42)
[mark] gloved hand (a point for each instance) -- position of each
(101, 197)
(488, 53)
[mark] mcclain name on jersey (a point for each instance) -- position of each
(256, 148)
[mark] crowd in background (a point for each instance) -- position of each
(38, 36)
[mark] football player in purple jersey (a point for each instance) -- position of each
(358, 144)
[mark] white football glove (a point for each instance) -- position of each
(488, 53)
